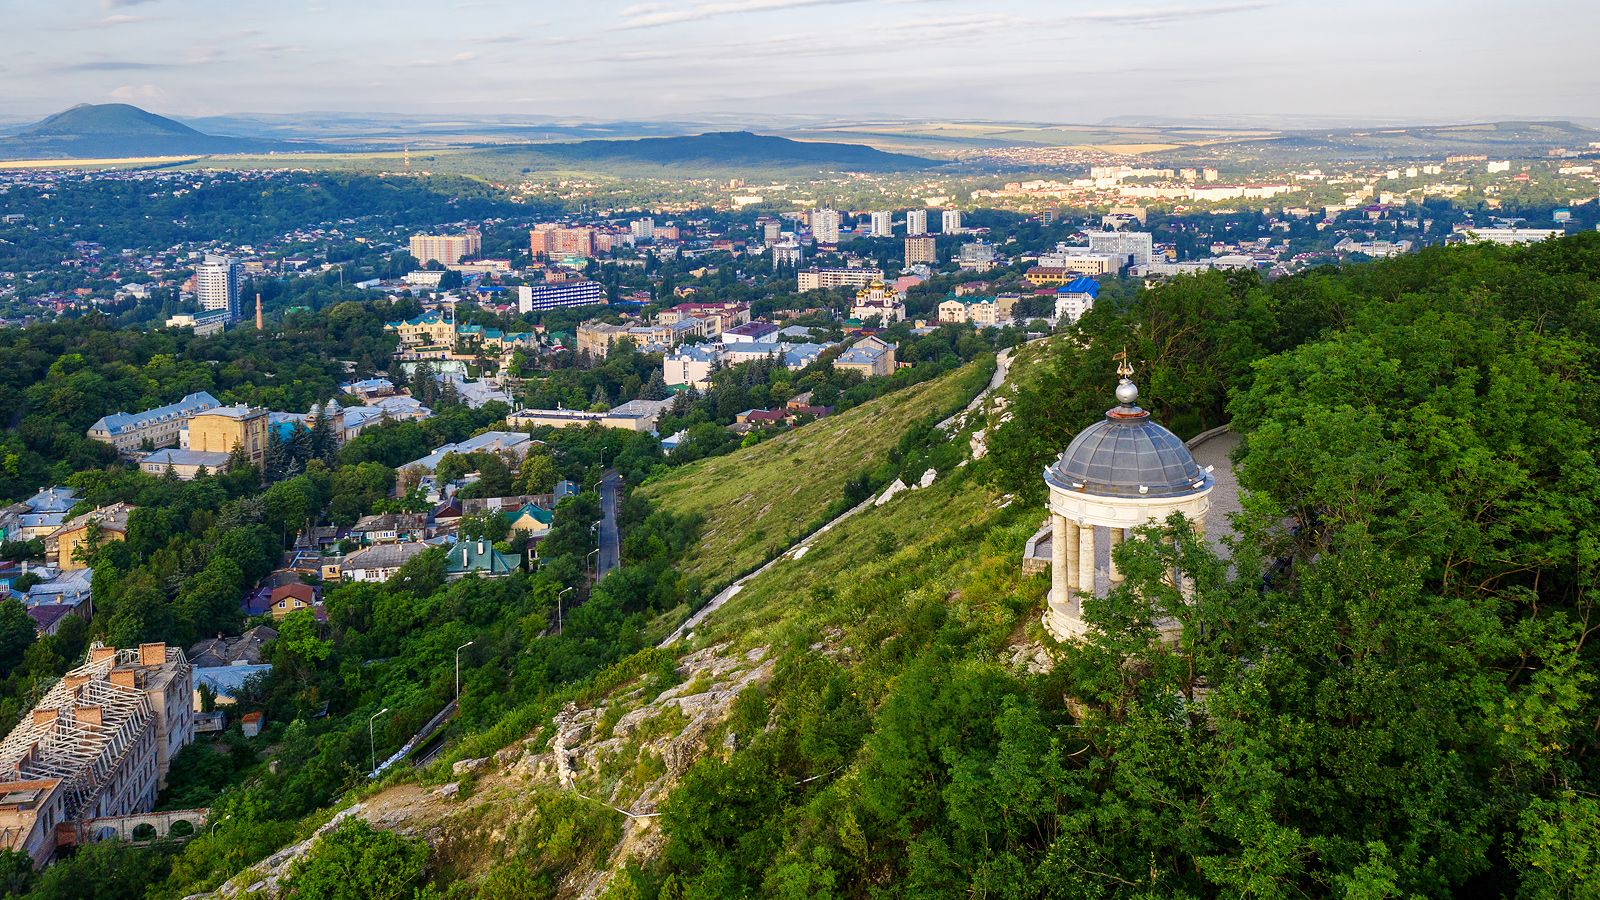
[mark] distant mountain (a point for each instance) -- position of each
(1514, 139)
(723, 151)
(107, 130)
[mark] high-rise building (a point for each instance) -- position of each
(1127, 247)
(448, 249)
(825, 226)
(920, 248)
(950, 221)
(916, 221)
(643, 229)
(556, 241)
(883, 224)
(216, 285)
(788, 253)
(770, 230)
(977, 256)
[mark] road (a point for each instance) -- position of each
(610, 541)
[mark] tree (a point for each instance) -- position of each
(537, 474)
(17, 633)
(358, 862)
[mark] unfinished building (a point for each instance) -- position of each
(97, 744)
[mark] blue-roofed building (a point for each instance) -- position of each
(159, 427)
(1075, 298)
(226, 682)
(186, 464)
(38, 515)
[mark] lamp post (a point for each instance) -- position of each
(372, 741)
(559, 595)
(458, 668)
(596, 563)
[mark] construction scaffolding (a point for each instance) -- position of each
(83, 728)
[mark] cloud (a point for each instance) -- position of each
(430, 62)
(115, 20)
(115, 65)
(1161, 14)
(655, 15)
(138, 92)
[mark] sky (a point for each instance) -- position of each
(1062, 61)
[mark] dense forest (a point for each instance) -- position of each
(1403, 707)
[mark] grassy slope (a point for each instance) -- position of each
(761, 499)
(953, 538)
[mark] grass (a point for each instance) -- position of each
(759, 500)
(936, 538)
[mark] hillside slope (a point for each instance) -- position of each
(757, 501)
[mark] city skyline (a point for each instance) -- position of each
(1084, 61)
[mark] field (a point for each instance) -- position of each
(757, 501)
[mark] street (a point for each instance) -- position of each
(610, 543)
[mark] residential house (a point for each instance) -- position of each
(288, 598)
(390, 528)
(379, 562)
(479, 558)
(108, 523)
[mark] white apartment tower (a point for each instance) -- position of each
(916, 221)
(825, 226)
(883, 224)
(643, 229)
(950, 221)
(216, 285)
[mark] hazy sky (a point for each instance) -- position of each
(1035, 60)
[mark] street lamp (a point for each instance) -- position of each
(559, 595)
(596, 563)
(458, 668)
(372, 741)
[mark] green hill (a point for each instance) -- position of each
(727, 151)
(758, 501)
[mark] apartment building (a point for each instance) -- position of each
(920, 248)
(97, 744)
(815, 279)
(447, 249)
(216, 285)
(153, 428)
(559, 295)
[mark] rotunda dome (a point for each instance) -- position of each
(1128, 455)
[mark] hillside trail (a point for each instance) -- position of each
(1002, 368)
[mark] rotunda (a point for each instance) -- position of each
(1120, 473)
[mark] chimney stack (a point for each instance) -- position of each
(260, 324)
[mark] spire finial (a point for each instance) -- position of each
(1127, 391)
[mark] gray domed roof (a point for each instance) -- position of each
(1127, 455)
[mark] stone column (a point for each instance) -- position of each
(1086, 559)
(1059, 573)
(1117, 536)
